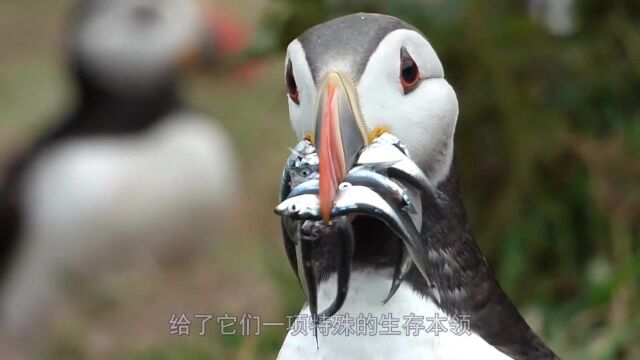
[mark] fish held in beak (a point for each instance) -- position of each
(380, 181)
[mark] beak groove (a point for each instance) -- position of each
(341, 134)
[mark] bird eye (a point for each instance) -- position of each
(292, 87)
(409, 72)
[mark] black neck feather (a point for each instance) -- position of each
(462, 283)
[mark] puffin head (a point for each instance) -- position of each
(139, 46)
(356, 77)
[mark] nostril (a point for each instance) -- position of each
(145, 14)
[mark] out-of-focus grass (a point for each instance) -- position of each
(31, 81)
(549, 130)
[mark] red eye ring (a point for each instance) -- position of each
(292, 87)
(409, 72)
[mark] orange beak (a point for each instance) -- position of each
(228, 37)
(340, 135)
(221, 37)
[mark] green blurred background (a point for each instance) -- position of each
(547, 146)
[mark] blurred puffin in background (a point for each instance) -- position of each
(130, 174)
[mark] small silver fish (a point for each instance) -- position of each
(385, 184)
(303, 163)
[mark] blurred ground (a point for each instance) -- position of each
(553, 198)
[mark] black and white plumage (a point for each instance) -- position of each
(129, 173)
(374, 56)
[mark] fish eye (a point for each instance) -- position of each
(409, 72)
(292, 87)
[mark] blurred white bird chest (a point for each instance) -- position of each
(131, 186)
(118, 203)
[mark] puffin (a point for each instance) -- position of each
(130, 176)
(380, 75)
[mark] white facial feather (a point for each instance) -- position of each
(301, 115)
(424, 119)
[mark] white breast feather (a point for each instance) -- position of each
(367, 289)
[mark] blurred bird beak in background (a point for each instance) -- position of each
(221, 37)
